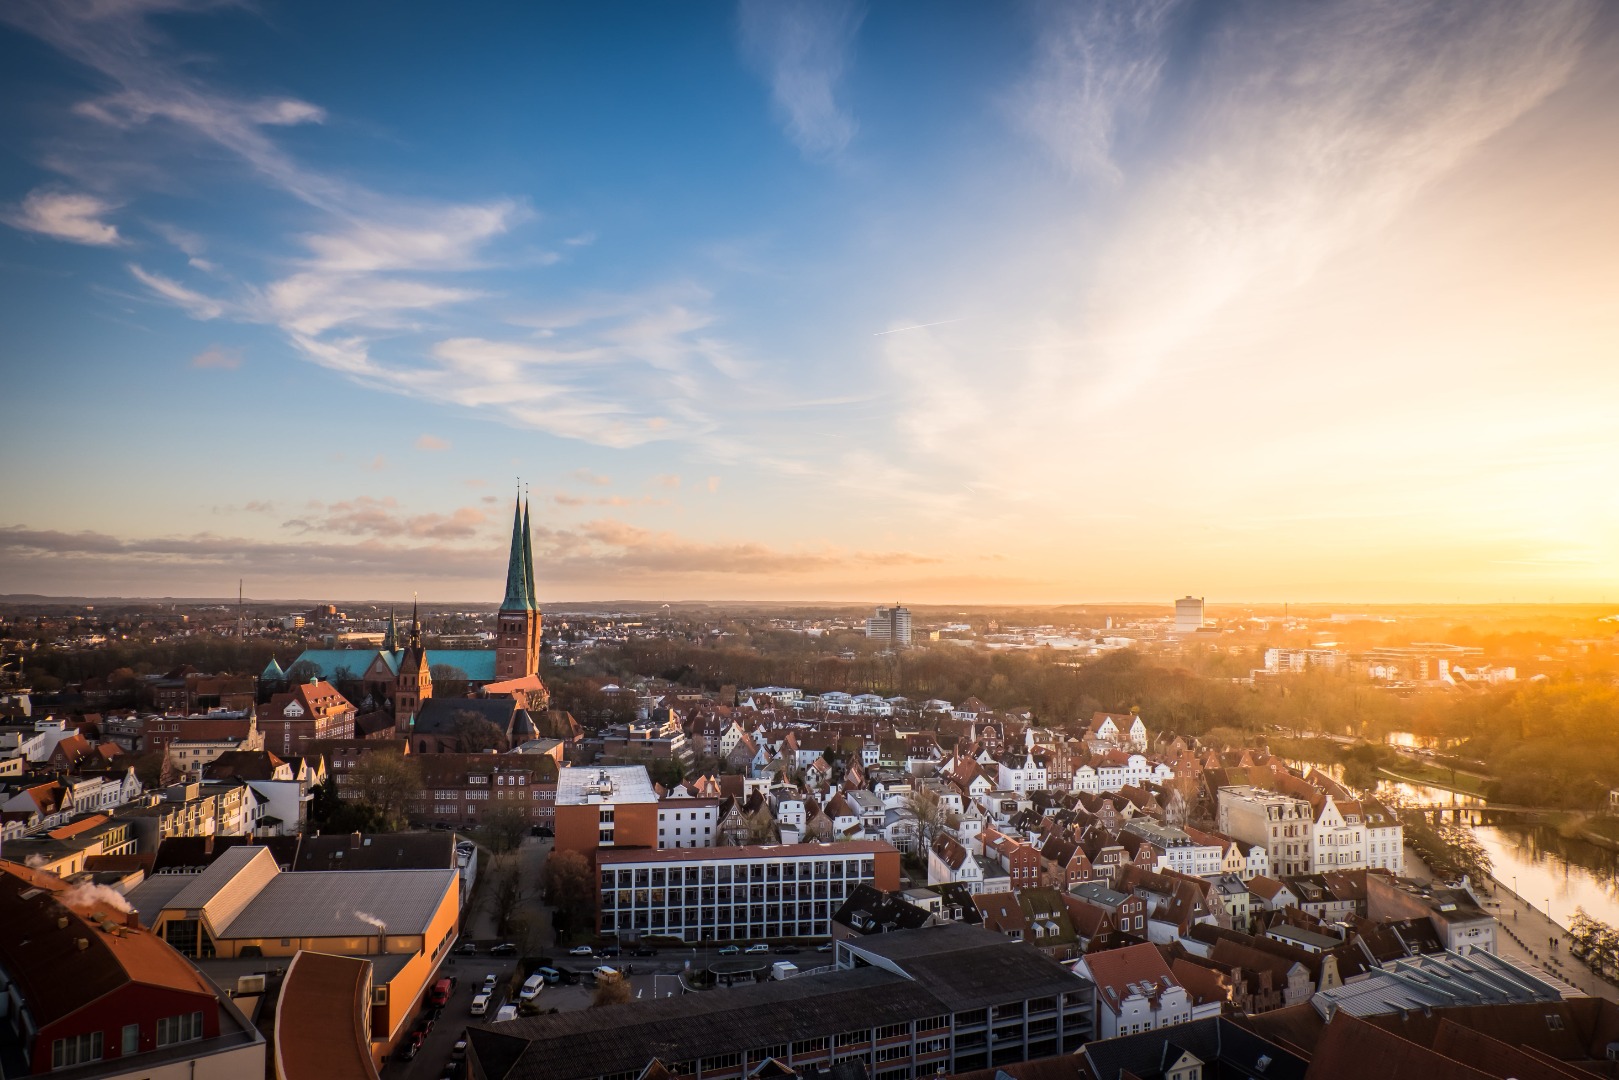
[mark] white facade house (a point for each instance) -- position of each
(1022, 772)
(1136, 992)
(690, 823)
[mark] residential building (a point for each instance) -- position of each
(691, 822)
(306, 712)
(605, 807)
(1457, 917)
(749, 893)
(462, 789)
(1136, 991)
(890, 624)
(1208, 1049)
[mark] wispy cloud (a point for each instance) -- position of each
(1301, 131)
(431, 442)
(218, 356)
(801, 48)
(1099, 65)
(375, 267)
(368, 516)
(65, 215)
(192, 302)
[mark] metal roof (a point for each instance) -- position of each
(331, 903)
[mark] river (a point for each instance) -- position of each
(1555, 874)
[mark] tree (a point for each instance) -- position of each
(570, 889)
(508, 893)
(615, 991)
(474, 734)
(503, 827)
(385, 783)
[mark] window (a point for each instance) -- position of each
(75, 1050)
(179, 1029)
(131, 1041)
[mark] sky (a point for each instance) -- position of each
(933, 302)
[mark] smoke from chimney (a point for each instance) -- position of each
(87, 894)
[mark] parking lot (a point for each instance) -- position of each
(469, 973)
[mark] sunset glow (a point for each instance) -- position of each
(982, 303)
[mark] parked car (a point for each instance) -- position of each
(758, 948)
(467, 948)
(788, 950)
(489, 982)
(504, 1013)
(730, 950)
(411, 1046)
(452, 1071)
(532, 987)
(609, 951)
(505, 948)
(440, 994)
(480, 1004)
(550, 974)
(581, 950)
(605, 973)
(459, 1050)
(643, 950)
(824, 947)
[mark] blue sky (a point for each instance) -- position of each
(791, 300)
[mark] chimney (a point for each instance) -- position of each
(132, 920)
(354, 840)
(82, 943)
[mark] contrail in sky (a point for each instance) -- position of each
(918, 326)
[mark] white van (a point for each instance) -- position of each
(605, 973)
(480, 1004)
(531, 988)
(758, 948)
(505, 1012)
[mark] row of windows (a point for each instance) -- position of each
(726, 873)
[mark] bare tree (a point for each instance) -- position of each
(386, 782)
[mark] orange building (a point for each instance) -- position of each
(611, 807)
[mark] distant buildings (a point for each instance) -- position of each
(892, 625)
(1188, 615)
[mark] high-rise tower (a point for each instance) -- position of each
(517, 643)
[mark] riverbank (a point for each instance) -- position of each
(1527, 934)
(1461, 783)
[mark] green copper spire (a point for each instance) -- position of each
(518, 589)
(528, 559)
(390, 642)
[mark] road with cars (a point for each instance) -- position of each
(469, 971)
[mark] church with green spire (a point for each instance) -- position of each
(517, 633)
(514, 659)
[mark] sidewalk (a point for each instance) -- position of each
(1526, 935)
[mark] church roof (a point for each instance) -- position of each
(478, 664)
(273, 672)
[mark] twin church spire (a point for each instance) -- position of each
(520, 564)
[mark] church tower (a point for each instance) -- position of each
(415, 683)
(517, 644)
